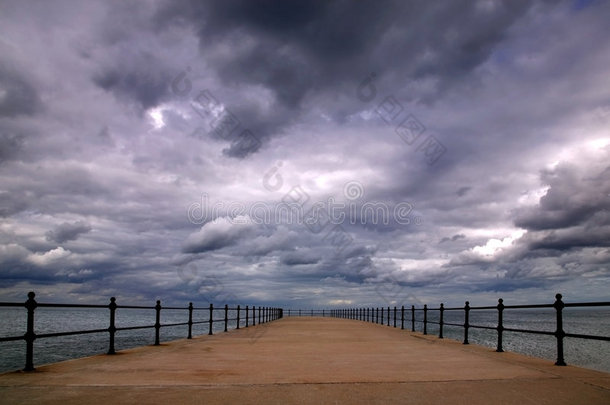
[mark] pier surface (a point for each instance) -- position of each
(312, 361)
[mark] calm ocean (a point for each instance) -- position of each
(579, 352)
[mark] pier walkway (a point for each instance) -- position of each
(308, 361)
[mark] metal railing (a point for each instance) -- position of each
(251, 314)
(392, 316)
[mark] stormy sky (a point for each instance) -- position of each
(305, 154)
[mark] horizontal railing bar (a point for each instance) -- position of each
(592, 337)
(528, 306)
(12, 304)
(453, 324)
(76, 332)
(70, 305)
(173, 324)
(483, 327)
(133, 307)
(11, 338)
(538, 332)
(587, 304)
(88, 331)
(135, 327)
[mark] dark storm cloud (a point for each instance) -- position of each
(462, 191)
(573, 198)
(452, 239)
(10, 144)
(311, 54)
(142, 80)
(12, 203)
(215, 235)
(573, 214)
(18, 96)
(299, 257)
(68, 231)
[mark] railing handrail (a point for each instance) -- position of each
(265, 314)
(372, 314)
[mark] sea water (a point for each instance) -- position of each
(593, 354)
(52, 320)
(580, 352)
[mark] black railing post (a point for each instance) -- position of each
(190, 336)
(226, 317)
(466, 324)
(500, 327)
(253, 315)
(323, 314)
(211, 318)
(157, 322)
(402, 317)
(425, 319)
(440, 321)
(412, 318)
(559, 332)
(388, 320)
(238, 311)
(377, 315)
(382, 310)
(111, 328)
(30, 336)
(259, 314)
(247, 320)
(394, 316)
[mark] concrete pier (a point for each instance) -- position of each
(312, 361)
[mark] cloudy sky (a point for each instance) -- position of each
(305, 154)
